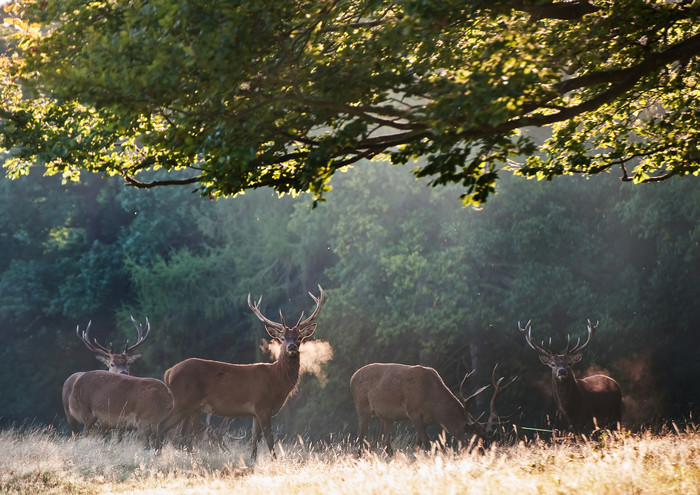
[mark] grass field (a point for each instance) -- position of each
(43, 462)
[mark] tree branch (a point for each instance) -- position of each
(622, 80)
(132, 181)
(685, 49)
(565, 11)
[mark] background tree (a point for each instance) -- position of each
(286, 93)
(410, 276)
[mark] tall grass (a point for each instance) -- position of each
(43, 462)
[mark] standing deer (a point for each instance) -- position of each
(259, 390)
(584, 403)
(116, 363)
(395, 392)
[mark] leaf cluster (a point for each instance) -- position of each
(285, 94)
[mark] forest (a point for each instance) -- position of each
(410, 276)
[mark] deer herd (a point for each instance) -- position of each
(171, 409)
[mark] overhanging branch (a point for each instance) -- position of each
(132, 181)
(621, 81)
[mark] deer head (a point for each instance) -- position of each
(561, 364)
(115, 362)
(290, 337)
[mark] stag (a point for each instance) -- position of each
(259, 390)
(395, 392)
(115, 362)
(583, 403)
(120, 401)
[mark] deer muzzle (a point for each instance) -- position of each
(292, 349)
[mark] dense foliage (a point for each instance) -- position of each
(410, 276)
(247, 94)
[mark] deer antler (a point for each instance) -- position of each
(579, 349)
(319, 302)
(271, 326)
(527, 332)
(576, 349)
(276, 329)
(467, 400)
(95, 347)
(498, 387)
(141, 336)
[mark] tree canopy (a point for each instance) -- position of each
(283, 94)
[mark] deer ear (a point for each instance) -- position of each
(102, 359)
(132, 358)
(273, 332)
(307, 331)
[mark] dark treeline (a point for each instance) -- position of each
(410, 276)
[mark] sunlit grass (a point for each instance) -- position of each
(41, 461)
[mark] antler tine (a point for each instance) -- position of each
(141, 337)
(97, 348)
(255, 308)
(527, 333)
(284, 323)
(591, 332)
(463, 385)
(299, 320)
(319, 302)
(463, 391)
(94, 346)
(498, 389)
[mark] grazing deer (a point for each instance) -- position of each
(116, 363)
(120, 401)
(259, 390)
(395, 392)
(584, 403)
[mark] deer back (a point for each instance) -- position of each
(226, 389)
(117, 400)
(600, 397)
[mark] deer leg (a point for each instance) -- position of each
(151, 434)
(74, 424)
(222, 431)
(195, 428)
(256, 437)
(423, 440)
(173, 419)
(362, 431)
(142, 432)
(88, 424)
(387, 426)
(266, 425)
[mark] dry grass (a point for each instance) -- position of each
(43, 462)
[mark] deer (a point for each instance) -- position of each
(224, 389)
(115, 400)
(396, 392)
(583, 403)
(116, 363)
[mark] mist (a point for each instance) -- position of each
(313, 355)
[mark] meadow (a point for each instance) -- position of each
(41, 461)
